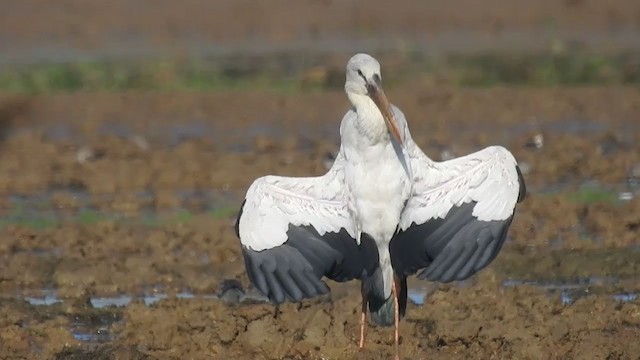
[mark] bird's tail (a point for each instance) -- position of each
(382, 310)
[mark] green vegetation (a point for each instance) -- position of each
(224, 212)
(132, 76)
(546, 70)
(88, 217)
(31, 223)
(555, 68)
(590, 195)
(42, 220)
(587, 195)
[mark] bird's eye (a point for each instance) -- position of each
(360, 73)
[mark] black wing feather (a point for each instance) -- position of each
(294, 270)
(448, 249)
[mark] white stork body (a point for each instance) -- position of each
(377, 180)
(384, 211)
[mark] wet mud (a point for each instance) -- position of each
(117, 238)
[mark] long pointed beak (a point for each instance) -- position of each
(380, 99)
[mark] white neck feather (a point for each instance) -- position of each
(370, 121)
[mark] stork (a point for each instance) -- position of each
(383, 212)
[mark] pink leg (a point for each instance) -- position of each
(363, 322)
(396, 315)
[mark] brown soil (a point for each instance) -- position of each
(589, 134)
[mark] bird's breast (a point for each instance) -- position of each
(379, 187)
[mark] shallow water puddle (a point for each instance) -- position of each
(124, 300)
(569, 292)
(95, 324)
(49, 297)
(566, 292)
(96, 328)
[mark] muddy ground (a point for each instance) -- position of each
(564, 286)
(117, 209)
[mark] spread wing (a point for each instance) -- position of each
(457, 219)
(294, 231)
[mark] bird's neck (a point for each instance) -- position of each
(370, 122)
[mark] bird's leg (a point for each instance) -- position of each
(396, 318)
(363, 321)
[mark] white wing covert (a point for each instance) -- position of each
(273, 203)
(457, 219)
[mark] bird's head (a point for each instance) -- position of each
(364, 79)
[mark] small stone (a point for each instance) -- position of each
(141, 142)
(536, 141)
(85, 154)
